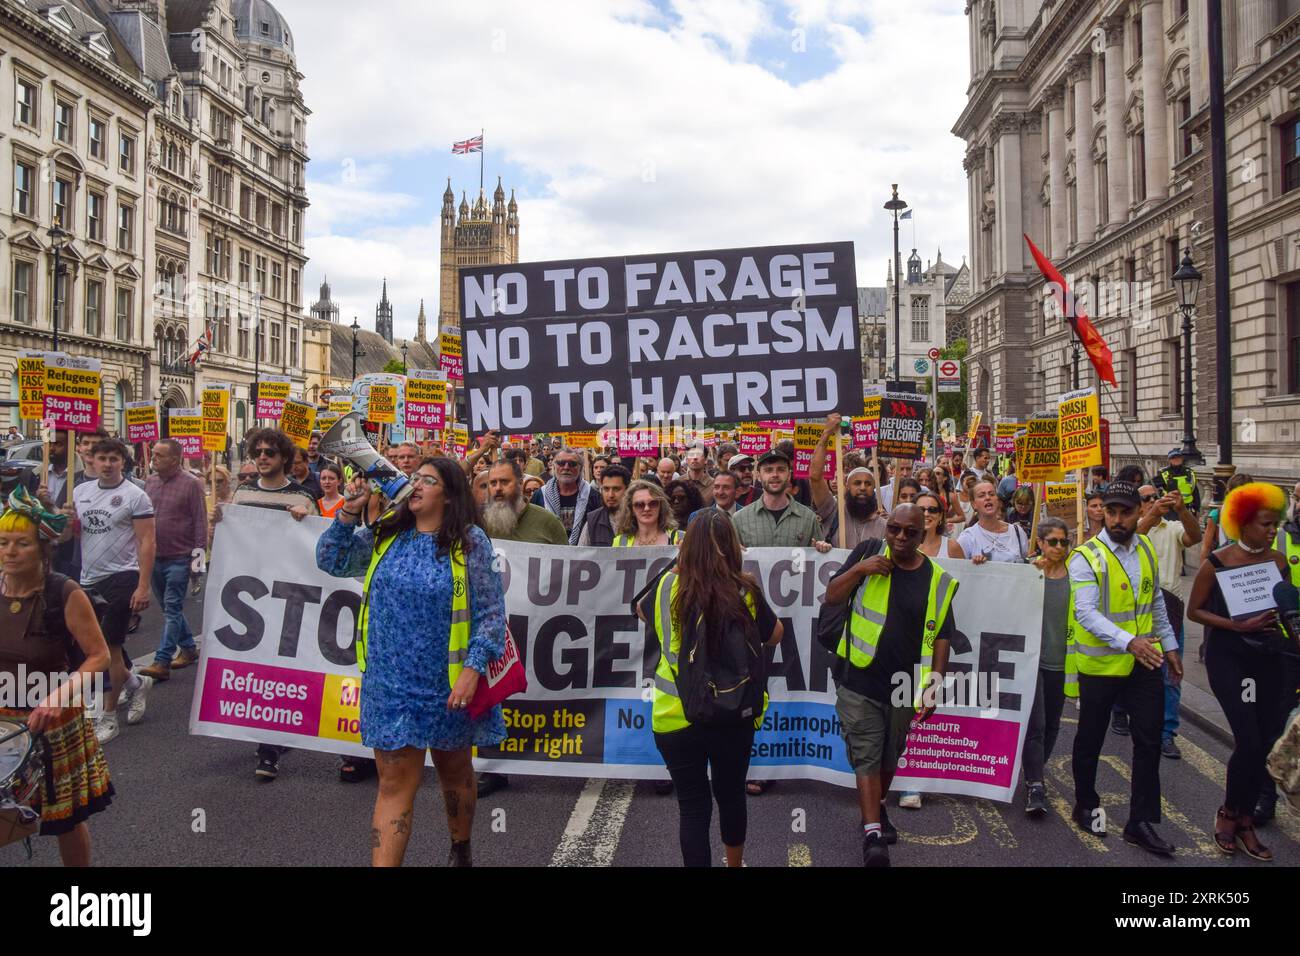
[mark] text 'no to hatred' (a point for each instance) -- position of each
(722, 336)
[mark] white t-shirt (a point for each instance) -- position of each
(1011, 545)
(108, 517)
(1167, 540)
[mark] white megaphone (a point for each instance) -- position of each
(347, 440)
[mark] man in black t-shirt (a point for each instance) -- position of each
(875, 703)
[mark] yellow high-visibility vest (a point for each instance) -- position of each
(458, 638)
(1292, 551)
(867, 620)
(1085, 653)
(629, 540)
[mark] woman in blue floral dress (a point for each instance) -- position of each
(408, 704)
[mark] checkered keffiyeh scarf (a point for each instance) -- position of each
(551, 495)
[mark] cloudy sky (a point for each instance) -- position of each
(626, 127)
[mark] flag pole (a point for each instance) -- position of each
(482, 148)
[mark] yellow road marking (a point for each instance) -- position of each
(800, 855)
(1002, 834)
(1204, 844)
(1215, 771)
(963, 827)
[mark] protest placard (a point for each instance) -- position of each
(721, 336)
(282, 670)
(298, 421)
(72, 392)
(806, 435)
(456, 441)
(1079, 416)
(1004, 435)
(340, 402)
(272, 391)
(326, 420)
(31, 386)
(1062, 501)
(902, 426)
(383, 404)
(1248, 590)
(451, 358)
(581, 440)
(216, 413)
(1041, 460)
(866, 427)
(185, 425)
(754, 439)
(141, 422)
(426, 398)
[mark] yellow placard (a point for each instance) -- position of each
(216, 412)
(1062, 500)
(1079, 414)
(298, 421)
(581, 440)
(383, 404)
(31, 387)
(871, 408)
(342, 404)
(326, 420)
(340, 711)
(974, 426)
(430, 390)
(1041, 460)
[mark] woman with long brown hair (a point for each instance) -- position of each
(432, 618)
(704, 602)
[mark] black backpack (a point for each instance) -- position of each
(721, 677)
(56, 628)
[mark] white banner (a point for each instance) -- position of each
(278, 664)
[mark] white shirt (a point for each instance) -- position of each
(1167, 540)
(1011, 546)
(1086, 596)
(108, 517)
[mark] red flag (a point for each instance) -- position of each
(1096, 347)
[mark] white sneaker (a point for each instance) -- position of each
(106, 728)
(910, 801)
(139, 699)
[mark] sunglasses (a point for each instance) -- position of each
(898, 531)
(645, 505)
(933, 511)
(1055, 542)
(265, 453)
(1147, 499)
(566, 464)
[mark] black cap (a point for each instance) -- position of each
(1122, 493)
(1176, 453)
(772, 455)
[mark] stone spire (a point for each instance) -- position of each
(420, 325)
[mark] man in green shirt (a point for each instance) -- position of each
(507, 516)
(776, 520)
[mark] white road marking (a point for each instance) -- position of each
(595, 825)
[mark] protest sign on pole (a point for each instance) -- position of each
(216, 416)
(141, 422)
(974, 430)
(806, 436)
(383, 404)
(754, 439)
(72, 392)
(457, 440)
(283, 672)
(426, 398)
(326, 420)
(902, 426)
(1004, 435)
(272, 392)
(721, 336)
(185, 425)
(1041, 460)
(581, 440)
(298, 421)
(31, 386)
(1080, 429)
(638, 442)
(1061, 497)
(451, 358)
(340, 401)
(866, 427)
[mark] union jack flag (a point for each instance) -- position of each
(204, 344)
(467, 146)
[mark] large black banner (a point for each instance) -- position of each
(721, 336)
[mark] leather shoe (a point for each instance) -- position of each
(1145, 836)
(1086, 822)
(490, 783)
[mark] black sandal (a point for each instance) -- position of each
(1262, 853)
(1225, 840)
(356, 769)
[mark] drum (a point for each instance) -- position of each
(21, 776)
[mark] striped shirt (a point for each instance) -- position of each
(278, 499)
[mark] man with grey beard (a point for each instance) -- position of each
(506, 516)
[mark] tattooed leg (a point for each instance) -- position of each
(456, 777)
(390, 826)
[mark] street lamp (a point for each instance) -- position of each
(58, 240)
(257, 351)
(356, 327)
(1187, 282)
(405, 346)
(896, 205)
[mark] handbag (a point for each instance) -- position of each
(504, 678)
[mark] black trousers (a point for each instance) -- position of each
(1143, 695)
(690, 755)
(1254, 717)
(1044, 724)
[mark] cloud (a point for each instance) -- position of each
(636, 128)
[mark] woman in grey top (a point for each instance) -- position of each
(1049, 698)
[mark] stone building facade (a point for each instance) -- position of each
(931, 296)
(74, 133)
(1086, 128)
(478, 236)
